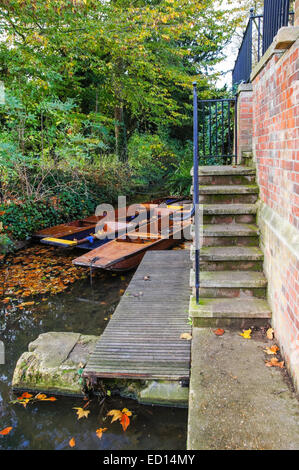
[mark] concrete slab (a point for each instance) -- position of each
(235, 401)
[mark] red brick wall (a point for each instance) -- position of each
(276, 134)
(276, 154)
(244, 110)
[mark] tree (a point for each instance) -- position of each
(135, 58)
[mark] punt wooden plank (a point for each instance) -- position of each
(142, 340)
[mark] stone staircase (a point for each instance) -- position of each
(232, 282)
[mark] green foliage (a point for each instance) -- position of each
(150, 157)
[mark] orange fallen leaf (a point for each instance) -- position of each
(274, 362)
(273, 350)
(25, 395)
(100, 431)
(218, 332)
(41, 396)
(122, 416)
(125, 421)
(72, 442)
(5, 431)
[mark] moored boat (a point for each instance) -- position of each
(126, 252)
(86, 234)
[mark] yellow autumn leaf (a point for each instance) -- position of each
(116, 414)
(127, 412)
(246, 334)
(81, 413)
(270, 333)
(186, 336)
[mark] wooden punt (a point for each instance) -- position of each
(126, 252)
(80, 233)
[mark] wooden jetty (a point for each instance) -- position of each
(142, 340)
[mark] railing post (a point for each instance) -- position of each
(195, 187)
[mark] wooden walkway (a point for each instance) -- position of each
(142, 340)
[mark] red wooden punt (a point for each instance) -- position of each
(126, 252)
(75, 233)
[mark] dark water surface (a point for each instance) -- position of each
(46, 425)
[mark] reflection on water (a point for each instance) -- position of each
(47, 425)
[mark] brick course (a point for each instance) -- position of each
(276, 154)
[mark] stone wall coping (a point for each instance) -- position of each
(244, 87)
(284, 39)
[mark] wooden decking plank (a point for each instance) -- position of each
(142, 340)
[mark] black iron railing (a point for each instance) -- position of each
(214, 129)
(216, 124)
(258, 36)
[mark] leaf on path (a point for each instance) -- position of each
(218, 332)
(246, 334)
(273, 350)
(186, 336)
(274, 362)
(81, 413)
(5, 431)
(72, 442)
(100, 431)
(270, 333)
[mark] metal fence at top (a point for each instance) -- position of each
(258, 36)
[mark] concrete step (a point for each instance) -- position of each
(230, 235)
(230, 284)
(213, 170)
(235, 402)
(238, 312)
(227, 194)
(229, 213)
(225, 175)
(226, 258)
(224, 189)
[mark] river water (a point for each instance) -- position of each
(84, 309)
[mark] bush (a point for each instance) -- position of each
(151, 157)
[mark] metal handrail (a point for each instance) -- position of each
(195, 189)
(258, 36)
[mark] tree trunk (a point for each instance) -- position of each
(120, 133)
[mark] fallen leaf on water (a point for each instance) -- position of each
(273, 350)
(218, 332)
(270, 333)
(186, 336)
(246, 334)
(116, 414)
(125, 421)
(72, 442)
(25, 395)
(23, 304)
(100, 431)
(122, 416)
(5, 431)
(274, 362)
(81, 413)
